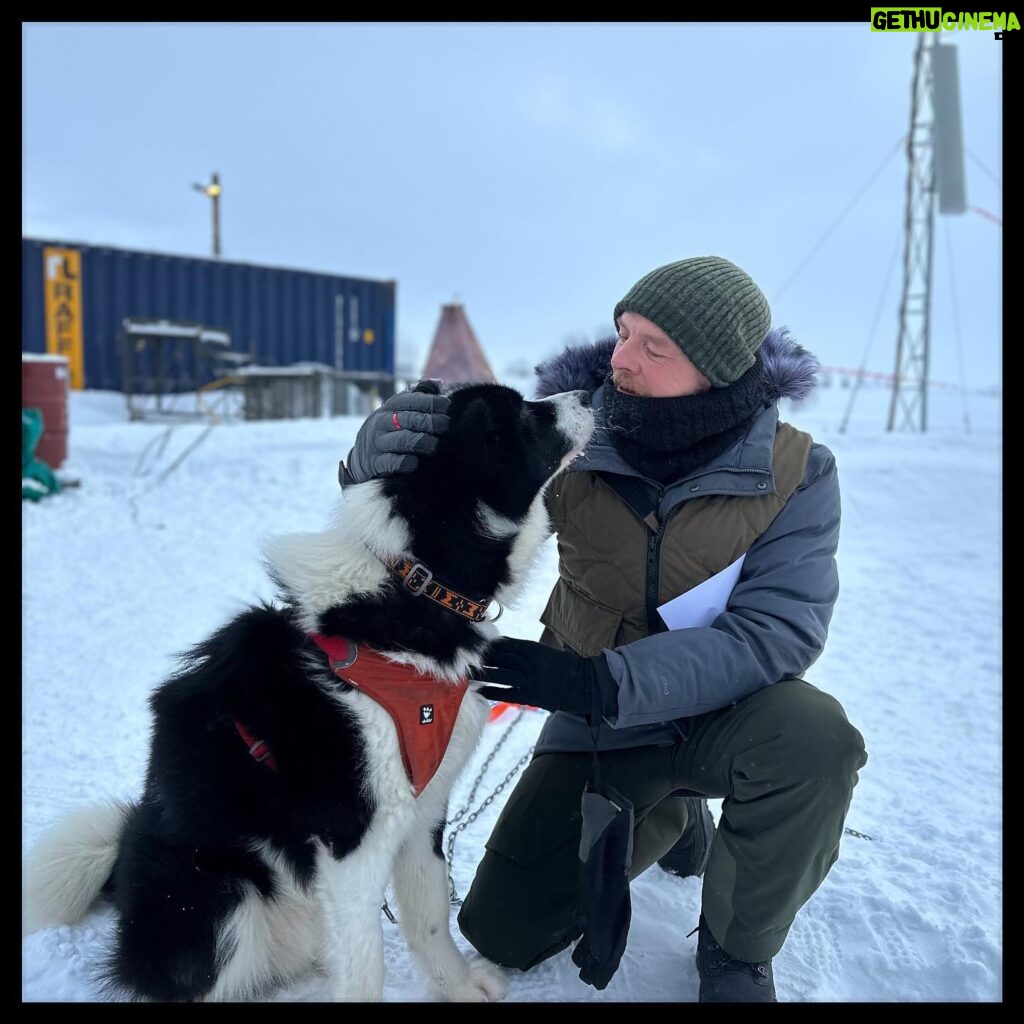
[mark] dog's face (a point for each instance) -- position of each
(506, 448)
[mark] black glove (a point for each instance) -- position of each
(392, 437)
(606, 855)
(526, 672)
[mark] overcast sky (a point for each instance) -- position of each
(532, 171)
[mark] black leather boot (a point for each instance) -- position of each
(690, 855)
(724, 979)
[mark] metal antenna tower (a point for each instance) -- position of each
(935, 172)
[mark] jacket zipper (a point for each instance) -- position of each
(654, 623)
(722, 469)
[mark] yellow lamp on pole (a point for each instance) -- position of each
(213, 190)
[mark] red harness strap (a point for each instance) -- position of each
(257, 748)
(423, 708)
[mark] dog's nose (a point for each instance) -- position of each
(583, 397)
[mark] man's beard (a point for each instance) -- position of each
(628, 384)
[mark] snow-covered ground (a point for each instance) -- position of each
(159, 544)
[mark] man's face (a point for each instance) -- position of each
(647, 362)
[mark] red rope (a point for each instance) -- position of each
(988, 216)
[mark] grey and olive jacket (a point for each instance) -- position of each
(627, 544)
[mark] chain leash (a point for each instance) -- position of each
(453, 896)
(456, 819)
(859, 835)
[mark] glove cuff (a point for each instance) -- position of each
(605, 686)
(345, 478)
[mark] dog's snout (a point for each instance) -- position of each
(584, 398)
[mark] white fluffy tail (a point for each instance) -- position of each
(68, 866)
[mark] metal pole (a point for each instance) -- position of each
(213, 190)
(215, 197)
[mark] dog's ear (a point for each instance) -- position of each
(484, 426)
(479, 423)
(477, 441)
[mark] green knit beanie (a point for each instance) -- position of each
(710, 308)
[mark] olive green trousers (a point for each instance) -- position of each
(784, 761)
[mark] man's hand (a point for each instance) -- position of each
(393, 437)
(526, 672)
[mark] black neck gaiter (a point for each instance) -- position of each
(666, 438)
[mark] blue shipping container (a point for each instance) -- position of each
(275, 316)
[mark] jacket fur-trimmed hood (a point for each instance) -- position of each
(789, 369)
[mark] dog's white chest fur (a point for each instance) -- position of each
(390, 789)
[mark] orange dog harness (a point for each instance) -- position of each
(423, 708)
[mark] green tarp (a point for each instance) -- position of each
(37, 478)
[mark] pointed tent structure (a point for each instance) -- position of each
(455, 355)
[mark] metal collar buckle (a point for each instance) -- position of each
(260, 750)
(408, 581)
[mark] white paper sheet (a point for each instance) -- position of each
(705, 602)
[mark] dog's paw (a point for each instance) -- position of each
(484, 982)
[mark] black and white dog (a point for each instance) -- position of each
(303, 755)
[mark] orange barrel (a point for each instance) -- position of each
(44, 386)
